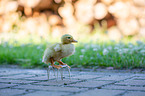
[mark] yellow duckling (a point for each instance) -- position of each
(59, 50)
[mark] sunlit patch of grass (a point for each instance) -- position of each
(94, 54)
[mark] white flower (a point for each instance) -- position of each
(142, 51)
(38, 47)
(120, 51)
(139, 42)
(87, 46)
(5, 44)
(116, 48)
(125, 50)
(82, 50)
(22, 45)
(11, 46)
(95, 49)
(91, 57)
(93, 45)
(130, 52)
(110, 47)
(105, 51)
(81, 56)
(130, 45)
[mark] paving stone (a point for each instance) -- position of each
(132, 82)
(139, 78)
(125, 87)
(84, 76)
(44, 72)
(50, 88)
(6, 85)
(9, 72)
(88, 73)
(40, 78)
(114, 77)
(20, 76)
(57, 82)
(32, 82)
(16, 81)
(46, 78)
(90, 83)
(139, 75)
(11, 92)
(98, 92)
(46, 93)
(134, 94)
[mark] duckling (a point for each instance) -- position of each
(59, 50)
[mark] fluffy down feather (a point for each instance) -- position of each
(57, 52)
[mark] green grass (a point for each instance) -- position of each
(88, 55)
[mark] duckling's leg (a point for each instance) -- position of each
(55, 66)
(61, 63)
(68, 67)
(69, 72)
(48, 71)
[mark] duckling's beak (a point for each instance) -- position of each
(75, 41)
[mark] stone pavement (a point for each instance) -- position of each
(33, 82)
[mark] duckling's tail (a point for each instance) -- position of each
(45, 60)
(42, 60)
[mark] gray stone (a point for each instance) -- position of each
(10, 92)
(32, 82)
(16, 81)
(20, 76)
(134, 94)
(114, 77)
(139, 75)
(90, 83)
(39, 78)
(98, 92)
(7, 72)
(139, 78)
(85, 76)
(132, 82)
(46, 93)
(50, 88)
(57, 82)
(6, 85)
(125, 88)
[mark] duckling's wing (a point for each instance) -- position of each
(57, 47)
(51, 51)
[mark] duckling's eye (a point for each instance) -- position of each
(68, 37)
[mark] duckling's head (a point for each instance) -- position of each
(68, 39)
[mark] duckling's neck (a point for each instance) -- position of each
(64, 43)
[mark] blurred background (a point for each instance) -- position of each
(111, 33)
(95, 19)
